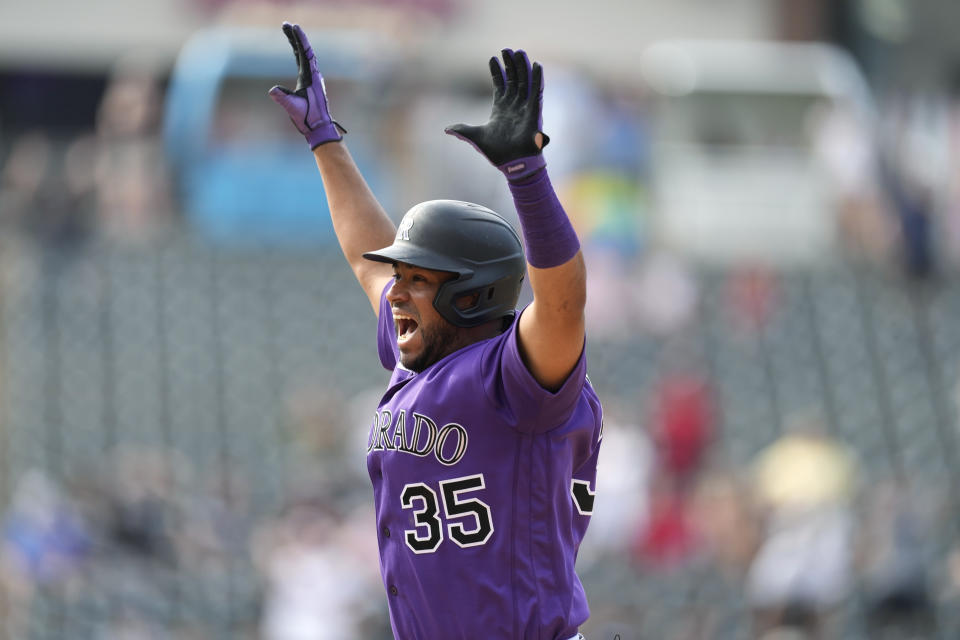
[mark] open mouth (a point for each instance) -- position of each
(406, 327)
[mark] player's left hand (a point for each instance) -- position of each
(511, 139)
(307, 104)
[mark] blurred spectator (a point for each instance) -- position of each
(23, 175)
(804, 482)
(41, 193)
(727, 520)
(894, 567)
(319, 581)
(44, 536)
(132, 183)
(682, 425)
(917, 172)
(669, 539)
(622, 505)
(848, 154)
(914, 203)
(44, 541)
(752, 296)
(142, 516)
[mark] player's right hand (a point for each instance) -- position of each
(307, 104)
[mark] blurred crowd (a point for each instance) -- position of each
(59, 188)
(798, 533)
(147, 545)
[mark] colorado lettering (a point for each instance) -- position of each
(417, 435)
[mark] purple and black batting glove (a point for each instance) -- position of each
(307, 104)
(509, 138)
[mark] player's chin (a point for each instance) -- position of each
(416, 353)
(410, 353)
(414, 361)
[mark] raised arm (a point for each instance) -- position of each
(358, 219)
(551, 330)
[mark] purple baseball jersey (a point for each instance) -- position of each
(483, 483)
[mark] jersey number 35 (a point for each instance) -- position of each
(468, 519)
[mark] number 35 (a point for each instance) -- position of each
(427, 534)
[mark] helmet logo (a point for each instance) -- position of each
(403, 231)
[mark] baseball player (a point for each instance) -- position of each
(483, 449)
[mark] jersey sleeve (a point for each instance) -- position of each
(511, 386)
(387, 347)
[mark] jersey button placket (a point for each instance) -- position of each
(393, 590)
(386, 532)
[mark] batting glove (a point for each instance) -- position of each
(509, 139)
(307, 104)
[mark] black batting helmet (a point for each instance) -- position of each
(471, 241)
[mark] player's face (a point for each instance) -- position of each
(423, 335)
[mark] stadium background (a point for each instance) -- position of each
(187, 377)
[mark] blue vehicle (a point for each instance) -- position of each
(244, 175)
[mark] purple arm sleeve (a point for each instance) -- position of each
(547, 233)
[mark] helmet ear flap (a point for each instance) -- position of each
(468, 301)
(464, 305)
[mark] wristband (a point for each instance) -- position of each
(522, 168)
(326, 132)
(547, 233)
